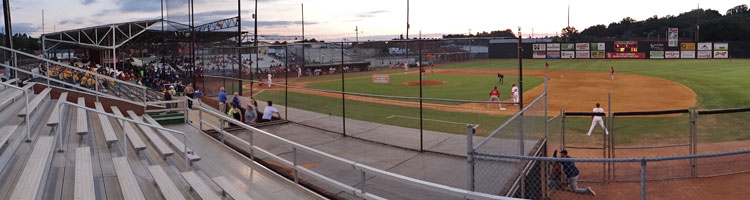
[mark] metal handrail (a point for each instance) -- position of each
(455, 192)
(656, 159)
(184, 136)
(68, 66)
(81, 89)
(25, 91)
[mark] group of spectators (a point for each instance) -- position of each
(248, 114)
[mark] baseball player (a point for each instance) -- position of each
(431, 66)
(514, 93)
(406, 66)
(494, 95)
(597, 119)
(269, 80)
(500, 78)
(612, 73)
(424, 73)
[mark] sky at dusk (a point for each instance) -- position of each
(337, 19)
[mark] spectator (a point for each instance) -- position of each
(197, 94)
(222, 99)
(571, 171)
(189, 92)
(269, 112)
(250, 115)
(236, 99)
(168, 97)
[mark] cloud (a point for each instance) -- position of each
(128, 6)
(250, 23)
(87, 2)
(71, 21)
(370, 14)
(23, 28)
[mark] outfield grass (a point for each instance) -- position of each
(718, 84)
(455, 87)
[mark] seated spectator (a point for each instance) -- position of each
(236, 99)
(250, 115)
(269, 112)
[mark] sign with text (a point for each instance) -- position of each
(721, 47)
(673, 36)
(539, 47)
(598, 54)
(553, 54)
(657, 46)
(381, 78)
(672, 54)
(568, 54)
(687, 46)
(598, 46)
(704, 54)
(687, 54)
(553, 46)
(568, 46)
(705, 46)
(721, 54)
(627, 55)
(583, 54)
(540, 54)
(582, 46)
(656, 54)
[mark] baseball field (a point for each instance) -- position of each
(574, 85)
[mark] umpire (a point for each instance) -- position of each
(571, 171)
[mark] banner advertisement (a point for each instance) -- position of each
(539, 47)
(583, 54)
(540, 54)
(672, 54)
(657, 46)
(567, 46)
(721, 54)
(704, 54)
(626, 55)
(381, 78)
(553, 54)
(721, 47)
(582, 46)
(656, 55)
(568, 54)
(687, 54)
(598, 54)
(705, 46)
(553, 46)
(688, 46)
(673, 36)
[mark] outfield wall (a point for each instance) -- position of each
(626, 49)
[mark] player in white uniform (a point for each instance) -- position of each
(514, 93)
(269, 80)
(597, 119)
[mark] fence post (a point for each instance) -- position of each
(562, 129)
(364, 182)
(607, 138)
(470, 157)
(693, 141)
(294, 159)
(643, 179)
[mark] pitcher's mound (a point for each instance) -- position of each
(424, 83)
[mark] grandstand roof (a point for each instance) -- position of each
(115, 35)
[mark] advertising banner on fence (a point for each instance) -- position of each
(705, 46)
(626, 55)
(656, 55)
(540, 54)
(673, 36)
(568, 54)
(687, 46)
(598, 46)
(721, 54)
(582, 46)
(657, 46)
(583, 54)
(539, 47)
(687, 54)
(704, 54)
(721, 47)
(672, 54)
(568, 46)
(553, 46)
(381, 78)
(553, 54)
(598, 54)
